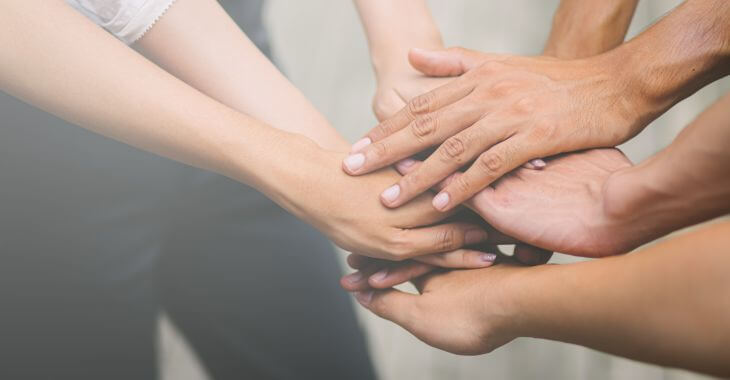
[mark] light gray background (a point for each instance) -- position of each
(321, 46)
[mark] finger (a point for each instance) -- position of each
(455, 152)
(419, 105)
(436, 239)
(358, 280)
(535, 164)
(488, 167)
(449, 62)
(424, 132)
(356, 261)
(460, 258)
(391, 304)
(531, 255)
(397, 274)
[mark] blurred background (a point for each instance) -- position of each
(321, 47)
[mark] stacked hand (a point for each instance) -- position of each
(502, 112)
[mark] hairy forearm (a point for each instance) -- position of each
(585, 28)
(667, 304)
(56, 59)
(394, 27)
(683, 52)
(199, 43)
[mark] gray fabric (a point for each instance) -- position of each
(96, 237)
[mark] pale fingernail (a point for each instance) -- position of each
(538, 163)
(488, 257)
(474, 236)
(380, 276)
(361, 144)
(354, 277)
(391, 193)
(364, 297)
(355, 161)
(440, 201)
(405, 164)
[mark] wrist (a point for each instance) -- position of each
(391, 58)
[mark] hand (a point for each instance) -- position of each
(463, 311)
(570, 206)
(397, 87)
(345, 209)
(503, 112)
(382, 274)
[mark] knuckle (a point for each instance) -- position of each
(424, 126)
(379, 149)
(503, 89)
(446, 239)
(420, 104)
(385, 128)
(524, 106)
(412, 181)
(491, 163)
(398, 245)
(452, 150)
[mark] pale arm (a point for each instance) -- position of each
(56, 59)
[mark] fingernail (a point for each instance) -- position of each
(391, 193)
(488, 257)
(440, 201)
(474, 236)
(380, 276)
(405, 164)
(538, 163)
(361, 144)
(354, 277)
(354, 161)
(364, 297)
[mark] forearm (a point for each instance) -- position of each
(586, 28)
(393, 28)
(56, 59)
(667, 304)
(686, 183)
(198, 42)
(680, 54)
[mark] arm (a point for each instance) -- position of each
(393, 28)
(586, 28)
(667, 304)
(686, 183)
(501, 113)
(56, 59)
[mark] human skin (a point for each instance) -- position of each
(508, 109)
(667, 304)
(58, 60)
(573, 35)
(389, 40)
(594, 203)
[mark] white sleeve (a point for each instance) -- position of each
(128, 20)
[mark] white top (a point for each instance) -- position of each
(128, 20)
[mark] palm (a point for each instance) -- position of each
(561, 207)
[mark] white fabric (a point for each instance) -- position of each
(128, 20)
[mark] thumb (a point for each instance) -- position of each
(391, 304)
(445, 62)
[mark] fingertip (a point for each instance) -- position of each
(353, 163)
(441, 201)
(364, 297)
